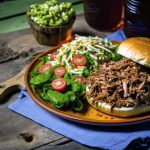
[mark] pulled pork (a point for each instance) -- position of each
(121, 84)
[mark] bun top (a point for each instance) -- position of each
(136, 49)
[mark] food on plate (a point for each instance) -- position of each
(84, 54)
(123, 88)
(51, 13)
(60, 71)
(60, 77)
(80, 79)
(53, 56)
(45, 67)
(79, 60)
(137, 49)
(59, 84)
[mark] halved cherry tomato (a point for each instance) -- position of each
(79, 60)
(45, 68)
(59, 84)
(60, 71)
(53, 56)
(80, 79)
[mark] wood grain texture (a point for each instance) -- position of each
(14, 127)
(52, 35)
(13, 84)
(66, 146)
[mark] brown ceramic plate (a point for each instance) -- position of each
(88, 116)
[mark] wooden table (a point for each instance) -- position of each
(16, 131)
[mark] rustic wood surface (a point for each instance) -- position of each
(16, 131)
(11, 85)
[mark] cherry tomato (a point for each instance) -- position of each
(60, 71)
(45, 68)
(80, 79)
(79, 60)
(53, 56)
(59, 84)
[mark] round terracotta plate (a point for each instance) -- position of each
(88, 116)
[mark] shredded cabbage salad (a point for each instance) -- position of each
(95, 50)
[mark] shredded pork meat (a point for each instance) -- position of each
(121, 84)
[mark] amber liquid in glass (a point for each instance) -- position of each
(103, 14)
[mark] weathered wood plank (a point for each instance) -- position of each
(17, 132)
(68, 146)
(13, 24)
(13, 84)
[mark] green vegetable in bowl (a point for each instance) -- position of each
(51, 13)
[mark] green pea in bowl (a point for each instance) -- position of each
(51, 22)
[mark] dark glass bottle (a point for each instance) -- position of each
(103, 14)
(137, 18)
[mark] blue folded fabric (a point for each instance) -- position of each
(112, 138)
(118, 36)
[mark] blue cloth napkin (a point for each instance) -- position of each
(112, 138)
(118, 36)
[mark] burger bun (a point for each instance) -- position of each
(136, 49)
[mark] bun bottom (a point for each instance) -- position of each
(119, 112)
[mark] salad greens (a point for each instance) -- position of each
(58, 99)
(42, 78)
(70, 97)
(51, 13)
(93, 49)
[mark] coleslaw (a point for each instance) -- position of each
(95, 50)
